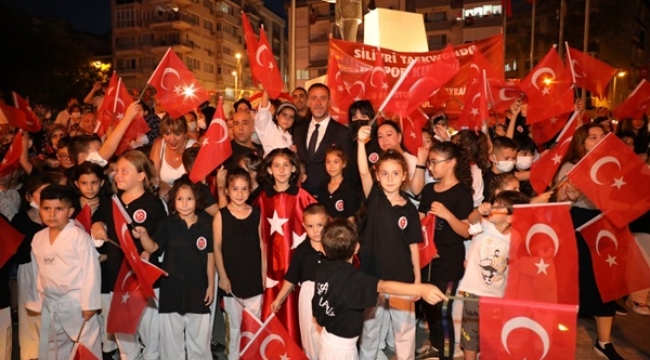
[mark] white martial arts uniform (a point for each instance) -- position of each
(332, 347)
(68, 280)
(309, 334)
(29, 325)
(5, 334)
(401, 310)
(234, 315)
(148, 332)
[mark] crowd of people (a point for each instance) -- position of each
(358, 193)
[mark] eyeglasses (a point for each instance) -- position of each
(433, 162)
(63, 157)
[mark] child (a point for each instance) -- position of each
(487, 262)
(450, 200)
(274, 130)
(476, 146)
(389, 249)
(133, 176)
(525, 158)
(186, 294)
(6, 336)
(503, 158)
(28, 222)
(343, 293)
(304, 264)
(189, 157)
(338, 195)
(90, 181)
(509, 182)
(238, 254)
(68, 280)
(281, 204)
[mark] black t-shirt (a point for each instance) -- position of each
(147, 211)
(449, 266)
(4, 286)
(488, 175)
(343, 202)
(238, 151)
(207, 195)
(304, 263)
(27, 227)
(341, 294)
(390, 230)
(241, 251)
(186, 257)
(252, 197)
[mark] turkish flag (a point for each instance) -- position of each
(543, 253)
(250, 325)
(419, 82)
(427, 249)
(544, 169)
(251, 42)
(377, 83)
(128, 302)
(544, 131)
(105, 112)
(80, 352)
(412, 130)
(120, 102)
(548, 88)
(514, 329)
(11, 160)
(636, 105)
(475, 109)
(177, 89)
(272, 341)
(84, 218)
(32, 123)
(615, 179)
(146, 273)
(588, 72)
(504, 93)
(347, 85)
(11, 239)
(215, 148)
(266, 68)
(619, 265)
(282, 232)
(14, 116)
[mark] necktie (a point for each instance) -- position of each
(313, 140)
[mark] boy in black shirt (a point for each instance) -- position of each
(342, 293)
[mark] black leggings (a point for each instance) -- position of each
(441, 325)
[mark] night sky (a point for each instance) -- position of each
(91, 16)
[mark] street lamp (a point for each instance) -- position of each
(621, 74)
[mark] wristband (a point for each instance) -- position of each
(420, 167)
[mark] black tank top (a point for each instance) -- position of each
(242, 255)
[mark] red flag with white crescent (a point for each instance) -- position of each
(427, 248)
(215, 148)
(251, 42)
(544, 131)
(250, 325)
(11, 160)
(282, 232)
(32, 122)
(272, 341)
(619, 266)
(543, 252)
(177, 89)
(544, 169)
(84, 218)
(412, 127)
(266, 68)
(548, 88)
(377, 82)
(636, 105)
(588, 72)
(514, 329)
(128, 302)
(504, 93)
(614, 178)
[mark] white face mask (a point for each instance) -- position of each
(33, 204)
(524, 162)
(505, 165)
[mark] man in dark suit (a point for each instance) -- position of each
(312, 138)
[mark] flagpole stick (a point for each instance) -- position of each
(286, 296)
(559, 183)
(393, 90)
(80, 331)
(112, 242)
(462, 298)
(238, 300)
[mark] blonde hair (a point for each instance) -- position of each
(173, 126)
(142, 164)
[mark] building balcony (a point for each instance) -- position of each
(486, 21)
(124, 71)
(179, 3)
(320, 39)
(130, 49)
(181, 47)
(171, 21)
(235, 20)
(222, 35)
(128, 26)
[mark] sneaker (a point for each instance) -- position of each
(641, 309)
(620, 311)
(427, 352)
(607, 352)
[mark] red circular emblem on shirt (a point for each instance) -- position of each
(139, 216)
(339, 205)
(201, 243)
(402, 222)
(373, 157)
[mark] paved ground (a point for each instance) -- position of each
(631, 336)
